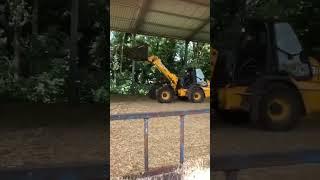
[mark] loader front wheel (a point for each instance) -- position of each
(196, 95)
(165, 94)
(280, 109)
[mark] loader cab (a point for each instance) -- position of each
(193, 76)
(265, 48)
(290, 56)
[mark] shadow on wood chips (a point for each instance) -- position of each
(18, 115)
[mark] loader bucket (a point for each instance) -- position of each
(138, 53)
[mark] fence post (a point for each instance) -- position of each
(146, 160)
(181, 139)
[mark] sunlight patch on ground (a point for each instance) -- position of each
(191, 170)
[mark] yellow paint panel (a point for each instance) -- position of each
(310, 91)
(206, 91)
(231, 98)
(182, 92)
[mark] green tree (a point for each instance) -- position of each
(170, 51)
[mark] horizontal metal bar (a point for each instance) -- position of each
(177, 28)
(97, 171)
(158, 35)
(239, 162)
(154, 24)
(177, 15)
(167, 26)
(197, 3)
(157, 114)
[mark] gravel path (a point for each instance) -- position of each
(241, 139)
(126, 138)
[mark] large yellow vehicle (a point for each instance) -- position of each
(267, 75)
(192, 85)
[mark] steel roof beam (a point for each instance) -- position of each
(142, 13)
(161, 25)
(197, 3)
(198, 29)
(168, 26)
(178, 15)
(162, 35)
(173, 27)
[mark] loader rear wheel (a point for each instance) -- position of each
(196, 95)
(165, 94)
(280, 109)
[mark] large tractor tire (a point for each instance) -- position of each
(196, 95)
(165, 94)
(280, 109)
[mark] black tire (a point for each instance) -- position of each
(232, 117)
(196, 95)
(165, 94)
(280, 109)
(153, 92)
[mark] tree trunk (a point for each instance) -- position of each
(16, 59)
(133, 66)
(74, 79)
(121, 56)
(35, 25)
(185, 56)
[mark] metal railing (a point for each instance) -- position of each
(232, 164)
(147, 116)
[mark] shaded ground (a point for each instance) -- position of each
(239, 138)
(126, 138)
(40, 135)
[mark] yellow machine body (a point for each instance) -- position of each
(231, 97)
(181, 92)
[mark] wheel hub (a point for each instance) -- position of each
(278, 110)
(196, 96)
(165, 95)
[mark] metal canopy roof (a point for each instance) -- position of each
(178, 19)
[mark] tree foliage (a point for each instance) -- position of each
(35, 67)
(303, 15)
(170, 51)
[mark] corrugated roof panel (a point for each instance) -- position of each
(128, 3)
(174, 21)
(160, 16)
(206, 28)
(123, 12)
(181, 7)
(202, 2)
(120, 24)
(165, 32)
(201, 36)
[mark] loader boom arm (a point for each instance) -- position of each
(156, 61)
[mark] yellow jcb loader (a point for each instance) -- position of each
(267, 75)
(192, 86)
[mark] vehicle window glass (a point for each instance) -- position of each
(200, 76)
(286, 39)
